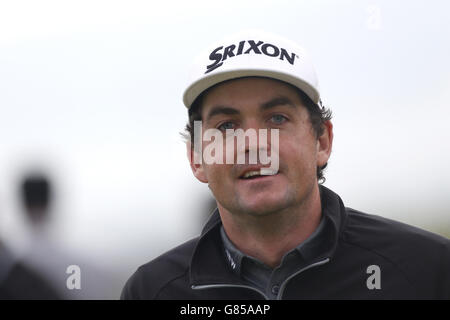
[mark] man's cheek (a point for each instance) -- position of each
(217, 172)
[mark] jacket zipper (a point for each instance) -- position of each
(210, 286)
(283, 286)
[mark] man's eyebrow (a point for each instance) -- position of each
(278, 101)
(220, 109)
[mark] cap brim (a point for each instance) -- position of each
(195, 89)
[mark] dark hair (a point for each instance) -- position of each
(36, 196)
(318, 115)
(36, 191)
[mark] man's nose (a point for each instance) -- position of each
(253, 123)
(258, 130)
(254, 142)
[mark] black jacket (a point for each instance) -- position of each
(412, 264)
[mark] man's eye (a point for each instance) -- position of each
(226, 125)
(278, 119)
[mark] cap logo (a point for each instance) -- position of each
(248, 47)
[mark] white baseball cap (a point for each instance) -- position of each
(252, 53)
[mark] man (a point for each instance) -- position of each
(280, 234)
(53, 262)
(21, 281)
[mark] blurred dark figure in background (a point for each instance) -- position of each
(17, 279)
(47, 255)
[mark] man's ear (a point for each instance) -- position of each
(325, 144)
(197, 169)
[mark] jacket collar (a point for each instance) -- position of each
(208, 262)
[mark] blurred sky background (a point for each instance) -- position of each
(91, 92)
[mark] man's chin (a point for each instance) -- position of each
(262, 208)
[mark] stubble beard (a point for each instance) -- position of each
(281, 215)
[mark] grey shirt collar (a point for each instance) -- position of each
(261, 276)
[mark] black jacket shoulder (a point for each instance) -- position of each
(150, 278)
(381, 234)
(421, 256)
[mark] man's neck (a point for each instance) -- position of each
(268, 238)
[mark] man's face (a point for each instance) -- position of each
(259, 103)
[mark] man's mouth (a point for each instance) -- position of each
(255, 174)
